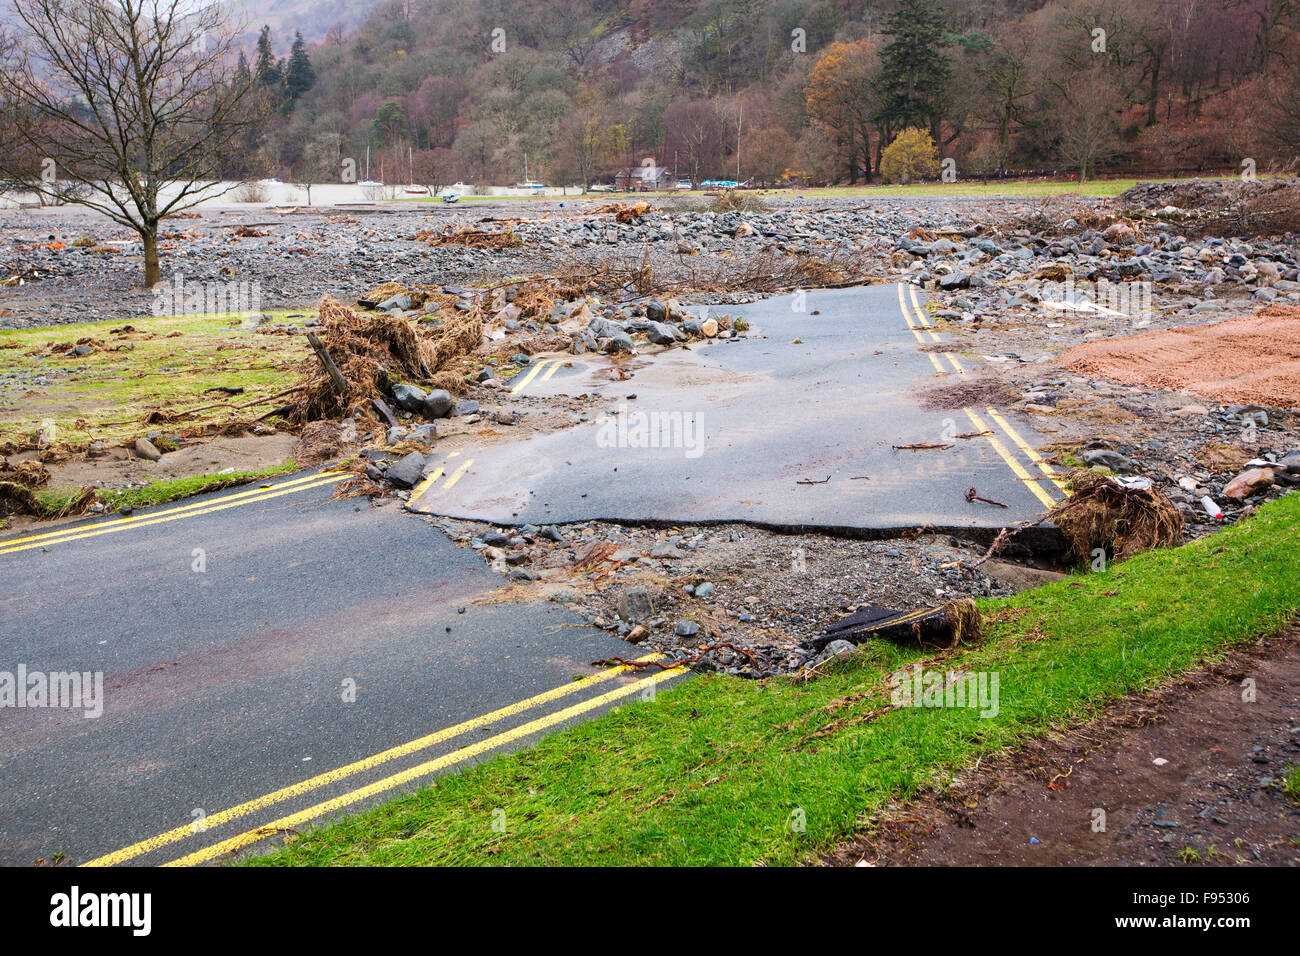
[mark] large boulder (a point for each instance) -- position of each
(406, 472)
(635, 605)
(438, 404)
(409, 397)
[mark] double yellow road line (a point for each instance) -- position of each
(920, 325)
(550, 365)
(431, 480)
(388, 783)
(193, 510)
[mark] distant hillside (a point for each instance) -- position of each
(313, 18)
(806, 90)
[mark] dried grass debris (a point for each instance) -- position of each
(1101, 513)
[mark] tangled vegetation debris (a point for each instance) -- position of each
(1103, 514)
(471, 238)
(370, 350)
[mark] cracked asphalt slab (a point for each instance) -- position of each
(795, 425)
(223, 685)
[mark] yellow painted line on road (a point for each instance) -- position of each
(455, 476)
(531, 374)
(136, 519)
(555, 367)
(127, 524)
(1011, 461)
(367, 763)
(902, 305)
(1036, 458)
(422, 770)
(424, 486)
(1005, 425)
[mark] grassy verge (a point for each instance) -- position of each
(162, 363)
(54, 503)
(716, 770)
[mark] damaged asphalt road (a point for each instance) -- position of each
(255, 646)
(229, 641)
(813, 422)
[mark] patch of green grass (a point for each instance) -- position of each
(1290, 784)
(160, 492)
(165, 363)
(716, 769)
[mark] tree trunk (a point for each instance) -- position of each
(152, 271)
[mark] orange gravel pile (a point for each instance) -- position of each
(1252, 360)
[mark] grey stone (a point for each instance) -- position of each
(438, 403)
(409, 397)
(635, 605)
(425, 434)
(408, 471)
(400, 301)
(467, 407)
(1107, 459)
(147, 449)
(704, 589)
(660, 334)
(604, 328)
(622, 342)
(686, 629)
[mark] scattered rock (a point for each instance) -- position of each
(146, 449)
(1248, 483)
(406, 472)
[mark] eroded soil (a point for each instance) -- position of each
(1189, 776)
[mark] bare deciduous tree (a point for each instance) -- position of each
(1087, 116)
(132, 101)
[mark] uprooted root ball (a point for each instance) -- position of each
(964, 620)
(372, 350)
(1122, 521)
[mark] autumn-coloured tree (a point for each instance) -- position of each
(841, 94)
(911, 156)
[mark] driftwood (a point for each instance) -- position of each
(384, 411)
(340, 383)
